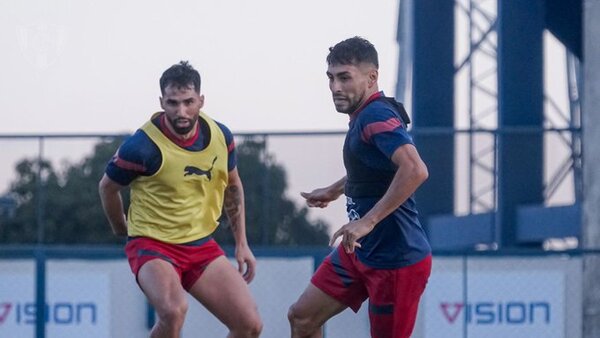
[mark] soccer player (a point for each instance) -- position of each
(181, 168)
(384, 254)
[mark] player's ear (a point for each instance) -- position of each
(160, 100)
(373, 76)
(201, 98)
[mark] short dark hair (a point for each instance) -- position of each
(180, 75)
(352, 52)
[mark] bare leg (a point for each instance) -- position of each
(311, 311)
(223, 291)
(162, 287)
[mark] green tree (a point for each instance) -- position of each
(72, 212)
(67, 203)
(271, 217)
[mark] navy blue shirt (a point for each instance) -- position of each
(375, 132)
(139, 155)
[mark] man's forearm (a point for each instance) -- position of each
(411, 173)
(113, 209)
(337, 188)
(234, 209)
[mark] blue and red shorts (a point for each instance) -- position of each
(393, 294)
(189, 260)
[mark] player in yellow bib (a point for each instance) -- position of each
(182, 171)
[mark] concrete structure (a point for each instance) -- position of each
(591, 168)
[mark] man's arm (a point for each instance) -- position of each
(235, 211)
(321, 197)
(410, 174)
(112, 203)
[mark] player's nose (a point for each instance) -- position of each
(180, 111)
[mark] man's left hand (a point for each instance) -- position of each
(351, 233)
(245, 259)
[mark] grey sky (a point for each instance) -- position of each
(86, 66)
(82, 66)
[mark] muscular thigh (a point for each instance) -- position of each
(339, 278)
(223, 291)
(161, 284)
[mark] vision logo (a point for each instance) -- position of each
(5, 309)
(451, 311)
(498, 313)
(191, 170)
(63, 313)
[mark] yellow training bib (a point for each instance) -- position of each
(183, 200)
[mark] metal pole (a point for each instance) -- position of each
(265, 196)
(591, 174)
(472, 197)
(40, 256)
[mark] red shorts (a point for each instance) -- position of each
(188, 260)
(393, 294)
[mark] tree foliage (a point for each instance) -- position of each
(271, 217)
(71, 212)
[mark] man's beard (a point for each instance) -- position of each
(183, 130)
(351, 108)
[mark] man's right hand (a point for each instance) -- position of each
(318, 198)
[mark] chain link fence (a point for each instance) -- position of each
(89, 289)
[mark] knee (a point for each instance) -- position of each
(301, 323)
(172, 314)
(254, 328)
(250, 327)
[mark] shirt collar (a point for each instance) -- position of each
(371, 98)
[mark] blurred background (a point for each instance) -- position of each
(502, 94)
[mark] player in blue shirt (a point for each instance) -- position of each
(384, 254)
